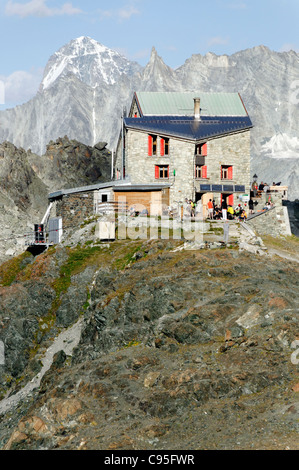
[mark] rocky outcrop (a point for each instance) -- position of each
(19, 182)
(177, 349)
(69, 163)
(27, 179)
(23, 199)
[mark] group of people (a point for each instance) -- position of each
(226, 211)
(262, 187)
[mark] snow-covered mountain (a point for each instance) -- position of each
(86, 86)
(89, 61)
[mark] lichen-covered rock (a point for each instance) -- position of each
(178, 350)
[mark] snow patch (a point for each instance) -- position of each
(89, 60)
(281, 146)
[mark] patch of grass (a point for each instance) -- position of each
(216, 230)
(10, 269)
(78, 259)
(288, 243)
(127, 256)
(38, 268)
(131, 344)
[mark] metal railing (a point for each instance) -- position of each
(39, 236)
(110, 207)
(35, 238)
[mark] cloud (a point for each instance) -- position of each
(20, 86)
(217, 40)
(39, 8)
(121, 14)
(126, 12)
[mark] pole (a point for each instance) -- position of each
(122, 149)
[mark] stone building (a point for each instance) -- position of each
(198, 146)
(73, 206)
(175, 146)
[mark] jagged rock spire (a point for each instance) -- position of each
(157, 76)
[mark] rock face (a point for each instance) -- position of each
(178, 349)
(86, 87)
(27, 179)
(69, 163)
(23, 197)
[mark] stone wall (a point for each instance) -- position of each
(231, 150)
(75, 208)
(274, 222)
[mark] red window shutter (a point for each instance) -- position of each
(230, 173)
(157, 172)
(168, 172)
(162, 147)
(204, 172)
(204, 150)
(231, 200)
(150, 146)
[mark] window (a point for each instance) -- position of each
(164, 146)
(226, 172)
(152, 145)
(162, 171)
(201, 171)
(201, 149)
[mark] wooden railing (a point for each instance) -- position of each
(275, 189)
(280, 189)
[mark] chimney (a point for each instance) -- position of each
(197, 108)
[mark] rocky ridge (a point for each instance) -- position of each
(27, 179)
(176, 346)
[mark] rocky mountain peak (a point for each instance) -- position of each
(90, 61)
(157, 76)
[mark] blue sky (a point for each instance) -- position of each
(32, 30)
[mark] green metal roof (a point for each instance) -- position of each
(182, 104)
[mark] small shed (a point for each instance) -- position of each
(75, 205)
